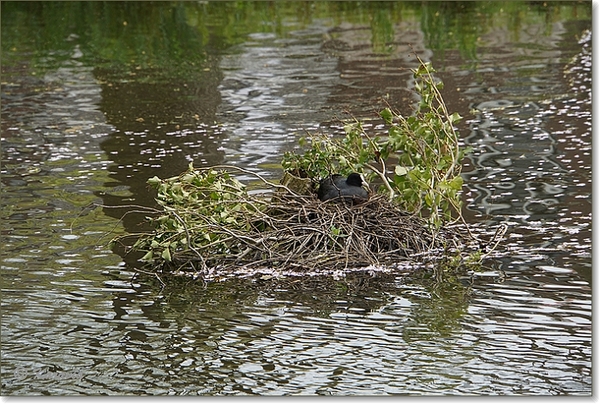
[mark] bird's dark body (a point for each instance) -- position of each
(343, 189)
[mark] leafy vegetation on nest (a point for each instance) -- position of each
(195, 203)
(418, 163)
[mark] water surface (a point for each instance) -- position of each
(98, 97)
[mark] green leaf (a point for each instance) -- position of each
(428, 199)
(456, 183)
(148, 257)
(154, 181)
(387, 115)
(401, 171)
(455, 117)
(166, 255)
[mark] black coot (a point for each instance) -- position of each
(346, 189)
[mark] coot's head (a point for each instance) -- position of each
(354, 180)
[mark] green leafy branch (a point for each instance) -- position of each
(425, 178)
(194, 203)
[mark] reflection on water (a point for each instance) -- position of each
(532, 164)
(382, 338)
(81, 125)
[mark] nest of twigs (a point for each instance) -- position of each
(303, 232)
(210, 222)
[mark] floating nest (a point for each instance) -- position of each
(209, 222)
(302, 232)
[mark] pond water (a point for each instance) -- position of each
(97, 97)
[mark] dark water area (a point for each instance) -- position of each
(97, 97)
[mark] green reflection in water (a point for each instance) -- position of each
(435, 311)
(175, 38)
